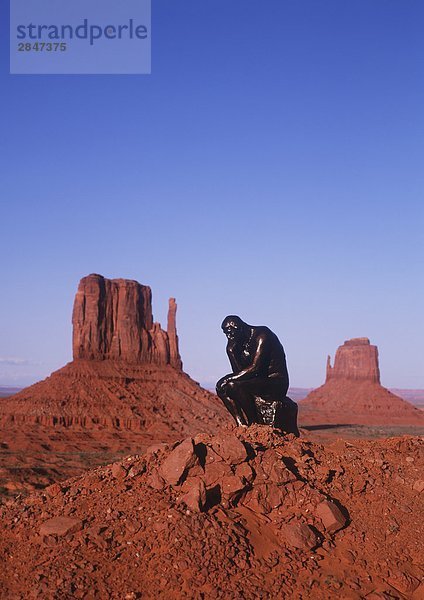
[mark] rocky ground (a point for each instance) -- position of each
(327, 433)
(245, 513)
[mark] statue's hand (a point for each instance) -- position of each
(231, 346)
(223, 381)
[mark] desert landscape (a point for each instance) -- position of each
(122, 478)
(211, 374)
(352, 403)
(124, 390)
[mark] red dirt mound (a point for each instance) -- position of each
(245, 514)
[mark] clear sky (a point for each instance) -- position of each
(271, 166)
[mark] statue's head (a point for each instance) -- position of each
(234, 328)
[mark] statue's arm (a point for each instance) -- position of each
(258, 361)
(231, 353)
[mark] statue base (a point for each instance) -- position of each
(280, 414)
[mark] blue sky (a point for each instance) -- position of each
(270, 166)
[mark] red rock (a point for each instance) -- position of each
(137, 469)
(112, 319)
(216, 471)
(195, 494)
(276, 495)
(143, 539)
(178, 462)
(281, 474)
(155, 449)
(174, 355)
(124, 391)
(53, 490)
(330, 515)
(245, 472)
(211, 456)
(299, 535)
(231, 486)
(60, 526)
(356, 359)
(403, 582)
(118, 471)
(258, 500)
(197, 470)
(260, 473)
(155, 481)
(352, 392)
(418, 485)
(119, 406)
(418, 593)
(272, 466)
(230, 448)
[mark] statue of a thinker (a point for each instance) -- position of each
(255, 392)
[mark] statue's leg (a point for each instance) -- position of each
(269, 392)
(245, 400)
(223, 392)
(272, 390)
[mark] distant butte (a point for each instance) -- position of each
(353, 394)
(356, 360)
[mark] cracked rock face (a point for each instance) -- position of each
(357, 359)
(112, 319)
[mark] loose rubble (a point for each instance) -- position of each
(246, 513)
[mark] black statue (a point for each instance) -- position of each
(255, 392)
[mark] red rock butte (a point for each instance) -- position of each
(355, 360)
(353, 394)
(112, 319)
(124, 390)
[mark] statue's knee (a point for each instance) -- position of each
(220, 387)
(233, 388)
(225, 388)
